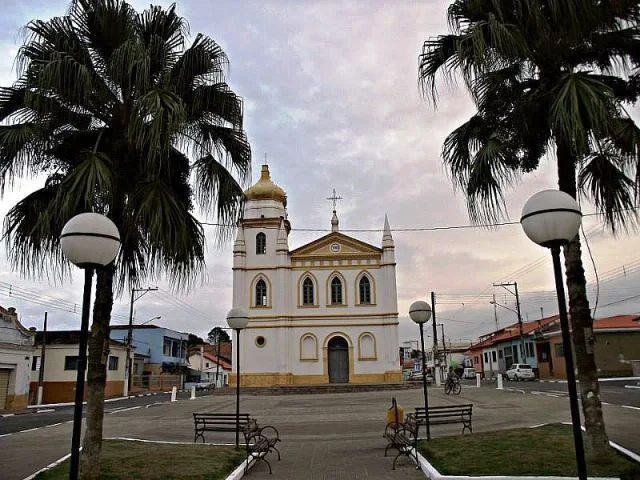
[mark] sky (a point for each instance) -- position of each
(331, 96)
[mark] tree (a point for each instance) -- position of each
(127, 121)
(218, 335)
(194, 340)
(546, 76)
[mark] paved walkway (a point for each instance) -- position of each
(328, 436)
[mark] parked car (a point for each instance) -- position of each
(469, 373)
(520, 371)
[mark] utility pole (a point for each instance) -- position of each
(444, 346)
(541, 313)
(217, 357)
(523, 353)
(495, 311)
(42, 355)
(128, 363)
(435, 335)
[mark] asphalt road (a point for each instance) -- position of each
(51, 416)
(611, 392)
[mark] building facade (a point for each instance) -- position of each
(156, 349)
(61, 366)
(16, 345)
(325, 312)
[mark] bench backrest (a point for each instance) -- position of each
(445, 411)
(219, 418)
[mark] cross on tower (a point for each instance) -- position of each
(334, 198)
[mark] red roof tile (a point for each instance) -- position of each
(619, 321)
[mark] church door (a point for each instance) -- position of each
(338, 360)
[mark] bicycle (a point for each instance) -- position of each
(452, 385)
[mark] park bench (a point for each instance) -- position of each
(402, 436)
(260, 441)
(448, 414)
(216, 422)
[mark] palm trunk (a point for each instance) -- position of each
(90, 461)
(580, 319)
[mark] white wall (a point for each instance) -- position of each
(18, 360)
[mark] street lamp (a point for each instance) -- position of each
(420, 313)
(552, 218)
(237, 319)
(89, 241)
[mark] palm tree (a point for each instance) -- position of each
(125, 120)
(546, 75)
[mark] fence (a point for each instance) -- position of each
(153, 383)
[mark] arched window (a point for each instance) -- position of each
(336, 291)
(307, 291)
(261, 244)
(261, 293)
(365, 290)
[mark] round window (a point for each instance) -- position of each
(260, 341)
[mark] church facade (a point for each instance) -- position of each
(323, 313)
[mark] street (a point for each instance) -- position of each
(52, 416)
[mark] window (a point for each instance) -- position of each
(307, 291)
(365, 291)
(336, 291)
(166, 348)
(113, 362)
(559, 350)
(71, 363)
(486, 357)
(508, 351)
(261, 293)
(35, 363)
(476, 360)
(261, 244)
(500, 354)
(206, 365)
(493, 356)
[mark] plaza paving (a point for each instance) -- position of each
(327, 436)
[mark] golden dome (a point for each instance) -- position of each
(265, 189)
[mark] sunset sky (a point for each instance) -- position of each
(331, 96)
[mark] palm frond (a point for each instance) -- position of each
(604, 180)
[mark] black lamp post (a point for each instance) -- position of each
(420, 313)
(552, 218)
(89, 241)
(237, 319)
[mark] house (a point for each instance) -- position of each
(156, 349)
(61, 366)
(16, 345)
(616, 344)
(210, 365)
(495, 352)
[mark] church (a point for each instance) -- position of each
(325, 312)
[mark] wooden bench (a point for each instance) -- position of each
(260, 441)
(448, 414)
(216, 422)
(403, 437)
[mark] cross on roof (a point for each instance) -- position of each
(334, 198)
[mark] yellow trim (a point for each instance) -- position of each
(253, 291)
(315, 343)
(327, 315)
(348, 266)
(372, 285)
(318, 325)
(363, 247)
(274, 378)
(316, 293)
(375, 347)
(261, 269)
(345, 300)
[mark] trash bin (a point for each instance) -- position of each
(395, 413)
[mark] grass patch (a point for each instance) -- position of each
(122, 459)
(544, 451)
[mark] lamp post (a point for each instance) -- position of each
(89, 241)
(237, 319)
(420, 313)
(552, 218)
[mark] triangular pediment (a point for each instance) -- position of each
(338, 245)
